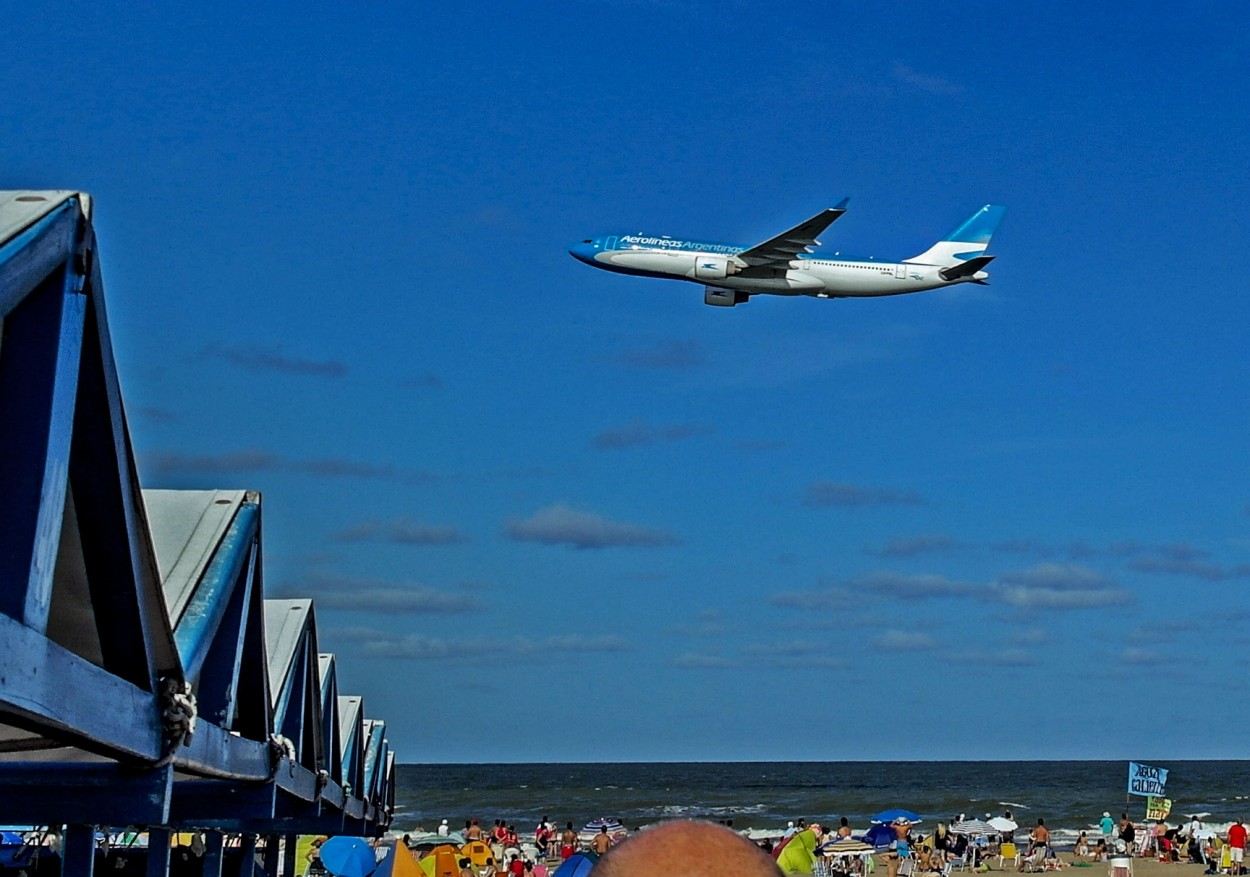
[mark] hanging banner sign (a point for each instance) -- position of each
(1146, 780)
(1158, 808)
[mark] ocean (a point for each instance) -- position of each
(1070, 795)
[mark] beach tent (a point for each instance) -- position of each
(576, 865)
(478, 852)
(399, 863)
(441, 861)
(796, 854)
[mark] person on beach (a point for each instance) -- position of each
(900, 848)
(473, 831)
(496, 840)
(844, 827)
(1107, 826)
(1128, 833)
(1040, 836)
(444, 829)
(1236, 846)
(466, 868)
(602, 841)
(1082, 846)
(686, 848)
(568, 842)
(542, 838)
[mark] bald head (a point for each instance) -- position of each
(686, 849)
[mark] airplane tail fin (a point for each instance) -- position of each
(966, 242)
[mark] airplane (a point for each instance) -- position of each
(787, 265)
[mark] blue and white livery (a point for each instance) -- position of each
(787, 265)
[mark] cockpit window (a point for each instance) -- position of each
(588, 241)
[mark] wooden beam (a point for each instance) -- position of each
(52, 691)
(101, 794)
(220, 804)
(35, 253)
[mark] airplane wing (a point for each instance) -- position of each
(778, 252)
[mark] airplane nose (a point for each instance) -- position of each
(583, 252)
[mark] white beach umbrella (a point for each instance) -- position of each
(1002, 823)
(972, 827)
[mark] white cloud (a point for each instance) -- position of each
(1059, 586)
(827, 493)
(904, 641)
(562, 525)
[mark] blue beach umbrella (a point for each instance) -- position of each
(880, 836)
(348, 857)
(576, 865)
(887, 816)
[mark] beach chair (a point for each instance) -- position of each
(1008, 851)
(1120, 867)
(1035, 861)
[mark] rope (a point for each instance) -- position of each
(281, 747)
(178, 716)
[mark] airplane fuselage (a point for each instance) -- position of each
(813, 274)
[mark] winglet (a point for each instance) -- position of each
(841, 205)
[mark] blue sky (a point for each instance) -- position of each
(550, 513)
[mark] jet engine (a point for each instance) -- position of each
(725, 298)
(708, 267)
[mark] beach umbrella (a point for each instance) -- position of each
(594, 825)
(844, 846)
(973, 827)
(348, 857)
(896, 815)
(576, 865)
(880, 836)
(1002, 823)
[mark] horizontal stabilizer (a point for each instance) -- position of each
(965, 269)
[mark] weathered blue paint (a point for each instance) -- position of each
(215, 752)
(28, 258)
(95, 793)
(158, 851)
(194, 632)
(38, 384)
(48, 686)
(214, 843)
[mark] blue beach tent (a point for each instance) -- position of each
(576, 865)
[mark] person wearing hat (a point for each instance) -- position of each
(1107, 824)
(444, 829)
